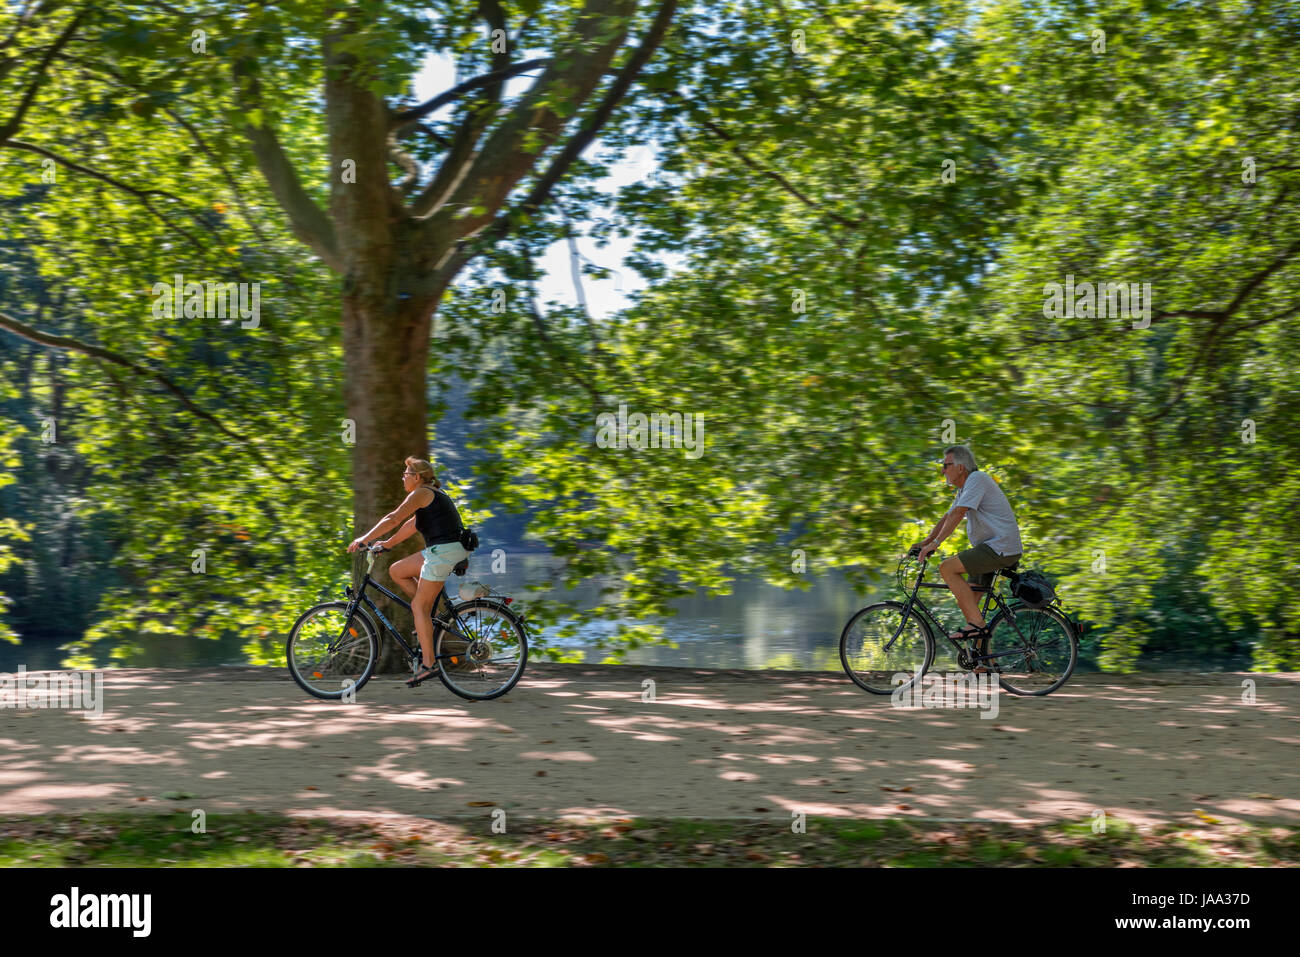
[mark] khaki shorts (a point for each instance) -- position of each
(982, 561)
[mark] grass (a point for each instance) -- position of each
(268, 840)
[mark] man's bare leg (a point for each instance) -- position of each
(952, 570)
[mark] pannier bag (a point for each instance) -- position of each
(471, 590)
(1034, 589)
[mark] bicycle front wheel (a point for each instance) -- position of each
(879, 645)
(330, 656)
(493, 661)
(1034, 650)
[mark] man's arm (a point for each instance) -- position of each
(945, 528)
(934, 531)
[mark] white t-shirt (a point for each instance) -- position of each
(990, 518)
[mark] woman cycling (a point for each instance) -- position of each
(431, 512)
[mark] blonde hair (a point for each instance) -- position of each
(424, 470)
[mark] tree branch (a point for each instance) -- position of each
(401, 122)
(533, 125)
(307, 220)
(140, 194)
(75, 345)
(769, 174)
(530, 274)
(93, 69)
(16, 121)
(538, 195)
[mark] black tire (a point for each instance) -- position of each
(495, 659)
(866, 659)
(325, 674)
(1034, 652)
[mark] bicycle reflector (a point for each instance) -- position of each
(509, 600)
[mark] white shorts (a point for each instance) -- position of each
(439, 560)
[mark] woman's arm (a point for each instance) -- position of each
(419, 498)
(402, 533)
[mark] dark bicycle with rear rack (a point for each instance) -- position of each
(1030, 643)
(480, 643)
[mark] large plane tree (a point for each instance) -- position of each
(394, 196)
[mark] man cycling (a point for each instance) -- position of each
(990, 525)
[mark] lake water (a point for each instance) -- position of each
(757, 626)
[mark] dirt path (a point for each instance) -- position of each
(579, 740)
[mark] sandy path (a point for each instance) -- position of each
(579, 740)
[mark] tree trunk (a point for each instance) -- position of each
(386, 341)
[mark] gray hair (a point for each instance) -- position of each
(962, 455)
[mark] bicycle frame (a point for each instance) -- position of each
(411, 653)
(915, 602)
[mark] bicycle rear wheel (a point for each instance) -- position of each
(494, 659)
(324, 659)
(878, 644)
(1034, 653)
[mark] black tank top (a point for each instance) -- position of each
(438, 522)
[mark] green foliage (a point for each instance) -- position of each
(839, 302)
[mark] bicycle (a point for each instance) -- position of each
(1032, 649)
(333, 647)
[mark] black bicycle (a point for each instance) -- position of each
(480, 644)
(1032, 648)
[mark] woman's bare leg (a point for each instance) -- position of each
(405, 573)
(422, 608)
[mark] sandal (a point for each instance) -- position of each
(424, 675)
(972, 631)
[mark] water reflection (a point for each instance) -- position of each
(757, 626)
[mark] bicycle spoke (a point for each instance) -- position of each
(879, 643)
(495, 651)
(327, 655)
(1034, 653)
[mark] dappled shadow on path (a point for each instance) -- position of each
(585, 740)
